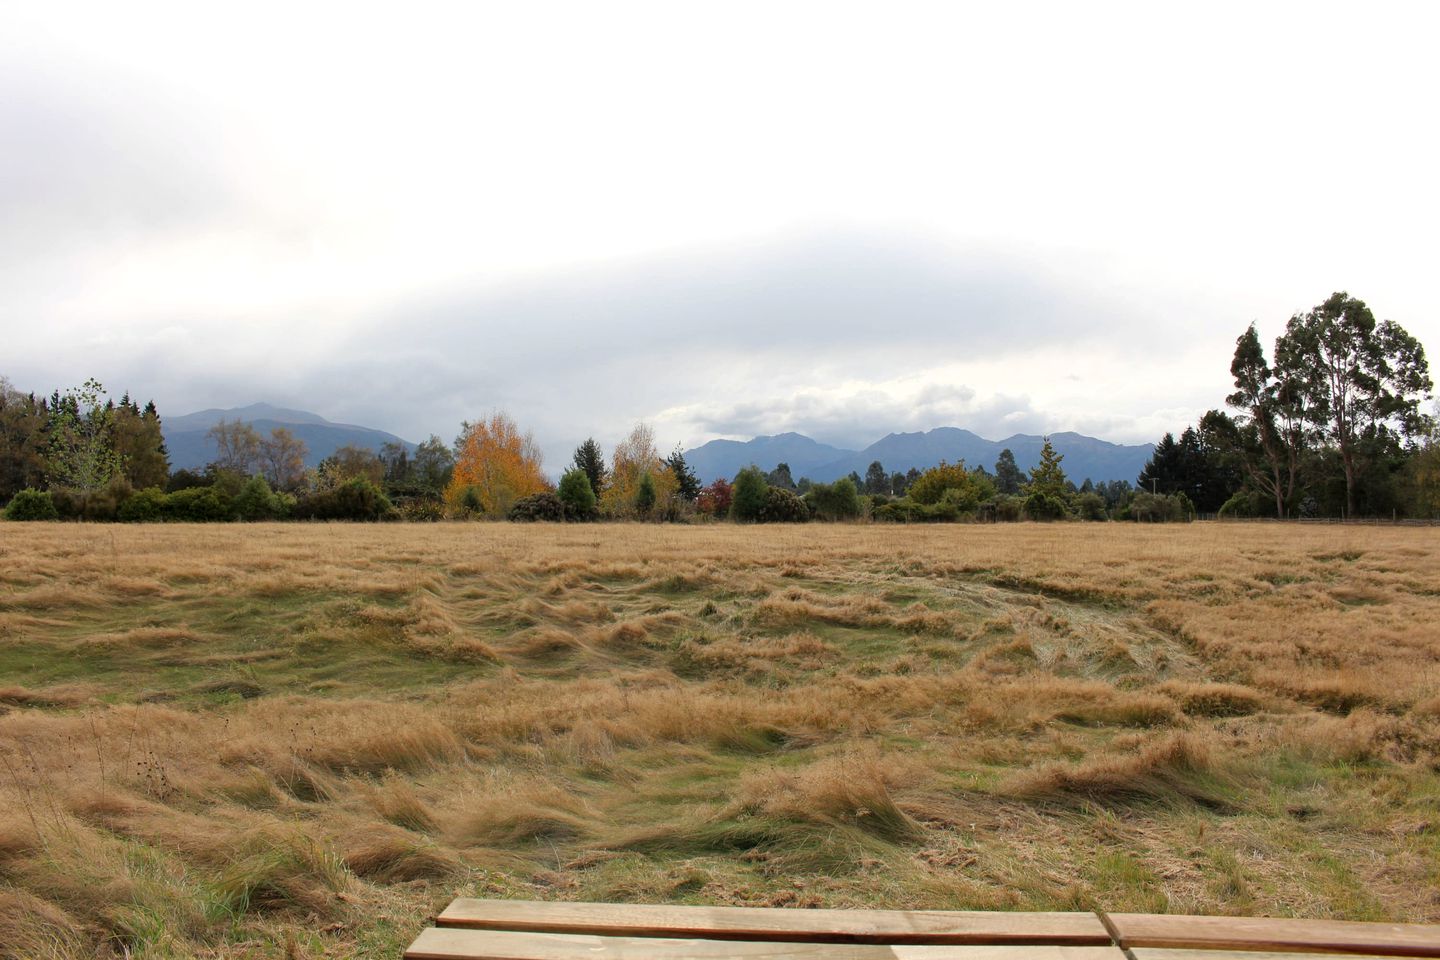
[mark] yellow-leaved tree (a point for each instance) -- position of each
(634, 457)
(495, 465)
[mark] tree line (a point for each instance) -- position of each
(1330, 424)
(80, 455)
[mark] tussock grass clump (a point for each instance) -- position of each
(294, 738)
(31, 928)
(1367, 736)
(1214, 699)
(796, 607)
(854, 790)
(64, 695)
(522, 814)
(254, 788)
(397, 858)
(1337, 692)
(397, 802)
(143, 638)
(1030, 703)
(706, 655)
(1179, 766)
(283, 871)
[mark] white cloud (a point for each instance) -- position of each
(813, 216)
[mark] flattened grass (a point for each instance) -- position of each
(232, 732)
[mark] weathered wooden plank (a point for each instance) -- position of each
(453, 943)
(1172, 953)
(1275, 935)
(776, 924)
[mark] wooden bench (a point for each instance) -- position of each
(1153, 936)
(544, 930)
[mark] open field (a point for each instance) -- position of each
(293, 740)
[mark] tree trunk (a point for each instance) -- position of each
(1348, 458)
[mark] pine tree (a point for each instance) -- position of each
(140, 444)
(1047, 477)
(1164, 473)
(591, 460)
(1007, 473)
(687, 484)
(645, 495)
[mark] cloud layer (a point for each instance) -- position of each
(808, 218)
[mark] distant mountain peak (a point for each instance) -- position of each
(1085, 456)
(190, 447)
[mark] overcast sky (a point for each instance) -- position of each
(723, 219)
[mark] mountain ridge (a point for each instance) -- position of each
(191, 449)
(1085, 456)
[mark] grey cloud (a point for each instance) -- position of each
(755, 341)
(816, 295)
(858, 419)
(97, 160)
(591, 355)
(743, 338)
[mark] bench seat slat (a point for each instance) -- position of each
(1276, 935)
(778, 924)
(1190, 953)
(452, 943)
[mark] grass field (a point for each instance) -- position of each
(297, 740)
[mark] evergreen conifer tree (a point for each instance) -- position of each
(589, 459)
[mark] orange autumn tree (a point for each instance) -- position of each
(495, 465)
(633, 458)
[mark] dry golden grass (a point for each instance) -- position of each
(269, 741)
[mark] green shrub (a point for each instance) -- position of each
(422, 509)
(256, 501)
(1045, 506)
(355, 499)
(1157, 508)
(965, 500)
(970, 489)
(470, 503)
(645, 496)
(538, 507)
(1090, 506)
(99, 506)
(577, 495)
(32, 504)
(1244, 504)
(184, 479)
(198, 505)
(144, 506)
(834, 501)
(747, 495)
(782, 506)
(906, 510)
(1009, 509)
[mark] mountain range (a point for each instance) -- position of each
(191, 449)
(185, 438)
(1084, 456)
